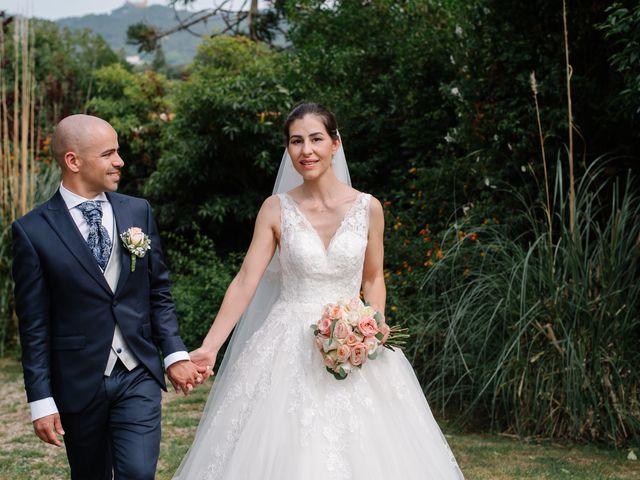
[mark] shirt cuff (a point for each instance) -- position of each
(175, 357)
(42, 408)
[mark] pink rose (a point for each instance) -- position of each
(336, 312)
(355, 304)
(324, 325)
(371, 343)
(136, 236)
(368, 327)
(358, 354)
(353, 339)
(341, 329)
(353, 317)
(330, 344)
(386, 330)
(343, 353)
(329, 362)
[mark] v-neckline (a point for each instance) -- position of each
(326, 247)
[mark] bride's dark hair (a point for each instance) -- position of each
(299, 111)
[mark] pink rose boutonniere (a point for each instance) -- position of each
(137, 242)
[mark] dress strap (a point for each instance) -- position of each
(357, 219)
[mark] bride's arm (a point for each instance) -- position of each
(373, 286)
(244, 285)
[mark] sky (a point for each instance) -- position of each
(55, 9)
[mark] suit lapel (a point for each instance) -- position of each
(123, 222)
(59, 219)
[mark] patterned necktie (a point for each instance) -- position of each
(98, 240)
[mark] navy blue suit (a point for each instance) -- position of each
(67, 316)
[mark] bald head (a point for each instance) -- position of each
(75, 133)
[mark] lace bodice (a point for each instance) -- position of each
(312, 273)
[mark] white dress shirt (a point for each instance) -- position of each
(47, 406)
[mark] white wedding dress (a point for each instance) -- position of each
(282, 416)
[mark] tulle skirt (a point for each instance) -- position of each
(277, 414)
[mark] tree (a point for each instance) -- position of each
(138, 107)
(224, 144)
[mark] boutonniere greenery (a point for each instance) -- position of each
(137, 242)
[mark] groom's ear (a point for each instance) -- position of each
(72, 162)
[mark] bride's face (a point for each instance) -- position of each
(310, 146)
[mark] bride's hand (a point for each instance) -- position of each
(204, 358)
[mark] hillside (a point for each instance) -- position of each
(179, 48)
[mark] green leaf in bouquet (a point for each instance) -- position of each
(378, 317)
(373, 355)
(379, 336)
(333, 326)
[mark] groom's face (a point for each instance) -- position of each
(99, 161)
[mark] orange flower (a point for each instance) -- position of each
(473, 236)
(423, 232)
(439, 253)
(413, 170)
(429, 253)
(428, 263)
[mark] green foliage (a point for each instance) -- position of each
(538, 334)
(622, 27)
(143, 35)
(224, 144)
(64, 63)
(138, 107)
(379, 66)
(493, 96)
(200, 280)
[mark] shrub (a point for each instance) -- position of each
(538, 334)
(200, 279)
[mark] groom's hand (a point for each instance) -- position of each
(184, 375)
(48, 428)
(204, 358)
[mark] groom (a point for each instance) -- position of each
(92, 321)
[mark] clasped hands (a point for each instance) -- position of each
(185, 375)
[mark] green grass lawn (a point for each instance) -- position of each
(481, 456)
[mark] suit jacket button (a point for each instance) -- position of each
(118, 350)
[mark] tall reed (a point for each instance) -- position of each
(23, 180)
(540, 335)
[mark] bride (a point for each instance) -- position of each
(274, 411)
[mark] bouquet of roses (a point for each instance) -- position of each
(349, 333)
